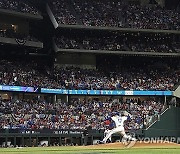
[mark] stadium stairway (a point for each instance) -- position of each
(167, 125)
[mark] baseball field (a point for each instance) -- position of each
(112, 148)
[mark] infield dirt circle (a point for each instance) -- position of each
(136, 145)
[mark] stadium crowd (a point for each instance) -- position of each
(176, 47)
(132, 78)
(9, 33)
(62, 12)
(153, 17)
(39, 114)
(119, 42)
(24, 74)
(116, 13)
(126, 79)
(19, 6)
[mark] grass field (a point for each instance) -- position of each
(97, 149)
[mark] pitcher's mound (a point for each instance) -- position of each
(138, 144)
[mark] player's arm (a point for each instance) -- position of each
(127, 114)
(130, 116)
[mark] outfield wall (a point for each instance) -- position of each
(167, 126)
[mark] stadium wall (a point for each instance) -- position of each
(167, 126)
(78, 60)
(177, 92)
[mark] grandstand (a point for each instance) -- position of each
(66, 65)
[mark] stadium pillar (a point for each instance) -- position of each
(52, 98)
(85, 140)
(6, 140)
(165, 100)
(67, 99)
(92, 137)
(15, 96)
(14, 141)
(30, 141)
(23, 141)
(82, 139)
(55, 98)
(70, 140)
(37, 141)
(49, 140)
(60, 141)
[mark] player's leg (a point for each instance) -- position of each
(109, 134)
(127, 137)
(110, 138)
(105, 133)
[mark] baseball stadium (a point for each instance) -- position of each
(89, 76)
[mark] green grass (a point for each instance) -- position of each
(90, 150)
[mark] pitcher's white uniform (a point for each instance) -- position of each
(106, 132)
(119, 122)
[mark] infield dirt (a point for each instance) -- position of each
(137, 145)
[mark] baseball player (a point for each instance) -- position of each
(119, 128)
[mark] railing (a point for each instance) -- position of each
(151, 120)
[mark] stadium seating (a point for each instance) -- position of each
(115, 41)
(40, 114)
(62, 12)
(18, 6)
(116, 13)
(106, 57)
(36, 75)
(11, 34)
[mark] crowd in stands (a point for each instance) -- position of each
(62, 12)
(176, 46)
(116, 13)
(100, 13)
(153, 17)
(9, 33)
(40, 114)
(24, 74)
(128, 79)
(132, 78)
(118, 42)
(18, 6)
